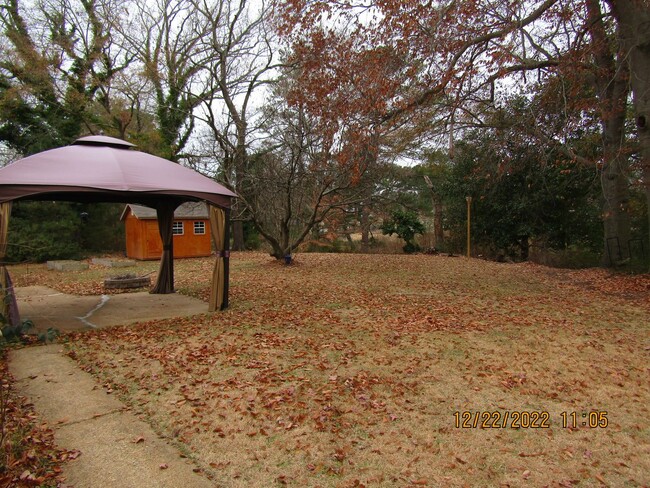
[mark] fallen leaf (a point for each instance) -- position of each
(26, 475)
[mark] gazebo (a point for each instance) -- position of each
(105, 169)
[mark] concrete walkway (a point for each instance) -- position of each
(117, 449)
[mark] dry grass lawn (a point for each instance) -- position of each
(353, 370)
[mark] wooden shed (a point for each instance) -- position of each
(191, 231)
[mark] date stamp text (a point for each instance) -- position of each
(528, 419)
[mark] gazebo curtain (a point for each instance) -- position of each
(219, 230)
(165, 282)
(219, 224)
(8, 307)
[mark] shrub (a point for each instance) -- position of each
(574, 257)
(405, 224)
(39, 231)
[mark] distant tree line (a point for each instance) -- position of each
(534, 109)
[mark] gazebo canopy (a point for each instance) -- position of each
(104, 169)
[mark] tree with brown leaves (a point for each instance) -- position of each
(459, 58)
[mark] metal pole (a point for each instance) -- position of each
(469, 202)
(226, 261)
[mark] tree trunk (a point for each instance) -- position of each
(241, 167)
(277, 252)
(633, 18)
(616, 218)
(365, 227)
(616, 195)
(238, 235)
(612, 88)
(438, 236)
(438, 232)
(524, 247)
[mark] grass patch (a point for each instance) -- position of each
(348, 370)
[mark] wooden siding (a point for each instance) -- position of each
(143, 239)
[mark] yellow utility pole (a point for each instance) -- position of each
(469, 202)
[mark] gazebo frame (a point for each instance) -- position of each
(104, 169)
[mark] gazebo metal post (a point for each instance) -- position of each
(226, 261)
(8, 305)
(5, 211)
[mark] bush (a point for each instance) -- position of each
(101, 229)
(411, 247)
(405, 224)
(252, 239)
(14, 333)
(40, 231)
(575, 258)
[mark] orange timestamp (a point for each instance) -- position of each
(524, 419)
(512, 419)
(593, 419)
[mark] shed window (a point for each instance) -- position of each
(177, 228)
(199, 228)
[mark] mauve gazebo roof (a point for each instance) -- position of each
(105, 169)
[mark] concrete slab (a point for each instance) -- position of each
(117, 448)
(47, 308)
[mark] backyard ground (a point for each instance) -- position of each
(389, 370)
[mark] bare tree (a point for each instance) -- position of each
(242, 62)
(298, 178)
(168, 39)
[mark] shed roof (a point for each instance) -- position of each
(187, 210)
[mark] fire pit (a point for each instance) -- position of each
(126, 281)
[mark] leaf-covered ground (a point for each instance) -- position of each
(354, 370)
(28, 455)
